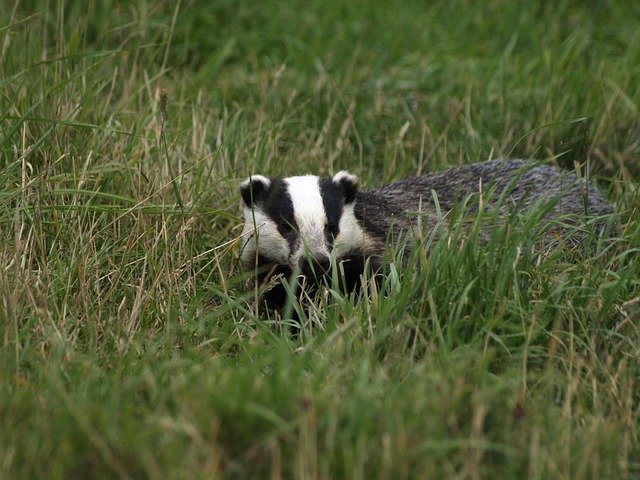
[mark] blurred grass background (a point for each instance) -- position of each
(128, 343)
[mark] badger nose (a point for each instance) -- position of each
(314, 266)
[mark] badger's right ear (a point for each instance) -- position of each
(348, 185)
(254, 189)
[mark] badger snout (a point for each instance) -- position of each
(314, 266)
(313, 260)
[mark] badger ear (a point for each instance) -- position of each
(348, 185)
(254, 189)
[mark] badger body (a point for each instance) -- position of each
(300, 225)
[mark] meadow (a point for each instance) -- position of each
(130, 344)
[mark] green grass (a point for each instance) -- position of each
(128, 343)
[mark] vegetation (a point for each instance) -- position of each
(129, 343)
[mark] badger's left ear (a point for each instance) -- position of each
(348, 185)
(254, 189)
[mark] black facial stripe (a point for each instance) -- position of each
(279, 207)
(333, 204)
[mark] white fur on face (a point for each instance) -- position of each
(308, 208)
(351, 236)
(309, 214)
(260, 229)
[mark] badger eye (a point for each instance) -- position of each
(331, 229)
(286, 226)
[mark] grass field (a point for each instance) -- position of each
(129, 346)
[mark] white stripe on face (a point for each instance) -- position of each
(351, 235)
(309, 214)
(261, 235)
(305, 195)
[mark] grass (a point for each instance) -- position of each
(128, 343)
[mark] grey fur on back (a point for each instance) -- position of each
(523, 182)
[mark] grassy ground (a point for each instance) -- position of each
(128, 346)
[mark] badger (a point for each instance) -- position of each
(302, 225)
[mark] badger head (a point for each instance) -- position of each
(300, 223)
